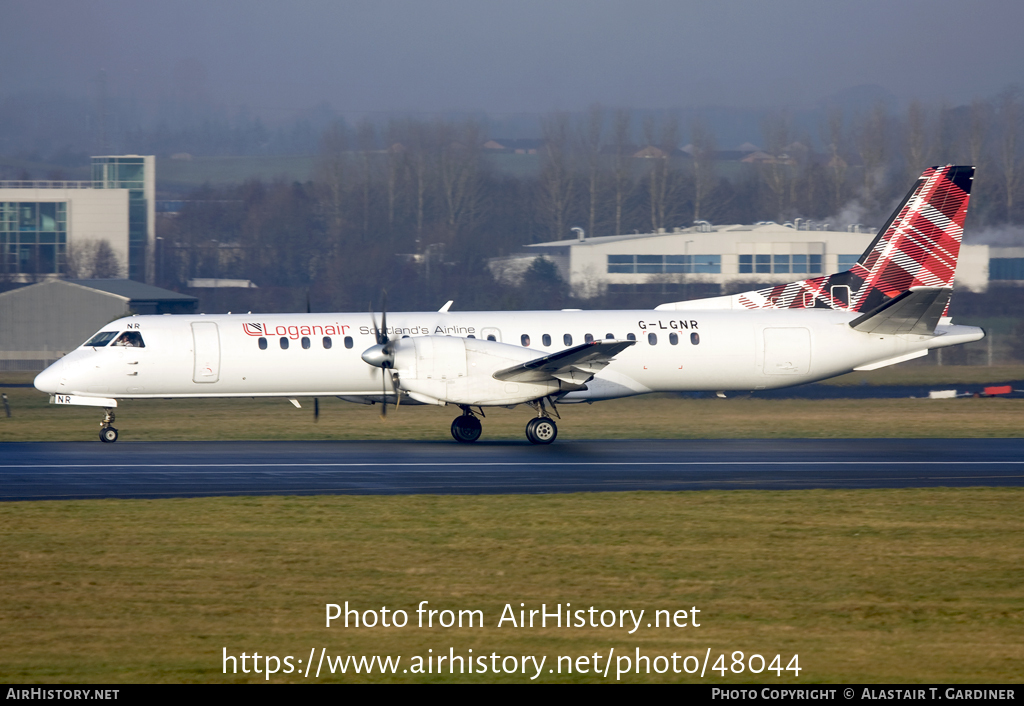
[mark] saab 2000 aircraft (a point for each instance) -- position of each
(892, 306)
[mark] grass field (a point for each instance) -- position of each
(920, 585)
(868, 586)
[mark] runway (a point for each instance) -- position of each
(56, 471)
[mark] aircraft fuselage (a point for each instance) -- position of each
(319, 354)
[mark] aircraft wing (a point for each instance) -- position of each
(915, 311)
(573, 365)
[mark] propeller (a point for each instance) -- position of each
(382, 355)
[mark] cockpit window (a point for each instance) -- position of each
(130, 339)
(101, 339)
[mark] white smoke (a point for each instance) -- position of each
(852, 213)
(859, 209)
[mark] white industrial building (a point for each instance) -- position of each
(731, 256)
(41, 220)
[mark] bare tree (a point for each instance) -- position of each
(366, 138)
(394, 169)
(590, 139)
(92, 260)
(459, 170)
(873, 148)
(837, 166)
(775, 173)
(332, 176)
(105, 263)
(623, 166)
(417, 159)
(557, 178)
(981, 120)
(78, 258)
(660, 179)
(704, 178)
(917, 151)
(1009, 159)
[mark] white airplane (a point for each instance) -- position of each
(889, 308)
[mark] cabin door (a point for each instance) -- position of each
(787, 351)
(206, 344)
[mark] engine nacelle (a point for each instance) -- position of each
(460, 371)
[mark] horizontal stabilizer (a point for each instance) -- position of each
(576, 365)
(916, 311)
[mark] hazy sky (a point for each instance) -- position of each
(278, 56)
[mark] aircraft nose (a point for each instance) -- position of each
(49, 379)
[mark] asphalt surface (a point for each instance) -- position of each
(38, 471)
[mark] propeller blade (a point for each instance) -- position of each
(373, 318)
(316, 409)
(383, 337)
(384, 356)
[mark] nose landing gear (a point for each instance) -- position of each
(467, 428)
(108, 434)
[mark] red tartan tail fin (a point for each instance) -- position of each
(917, 247)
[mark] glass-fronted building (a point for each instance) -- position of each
(42, 223)
(136, 174)
(33, 236)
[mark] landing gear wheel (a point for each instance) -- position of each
(541, 430)
(108, 434)
(466, 429)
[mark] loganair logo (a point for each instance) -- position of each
(293, 331)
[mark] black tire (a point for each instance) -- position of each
(541, 430)
(466, 429)
(108, 435)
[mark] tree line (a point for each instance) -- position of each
(418, 207)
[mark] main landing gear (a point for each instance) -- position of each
(108, 434)
(542, 428)
(466, 429)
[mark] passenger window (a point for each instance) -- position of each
(263, 343)
(588, 338)
(610, 336)
(631, 336)
(100, 339)
(490, 337)
(652, 338)
(525, 340)
(546, 340)
(348, 341)
(327, 342)
(284, 343)
(695, 338)
(567, 339)
(130, 339)
(305, 342)
(673, 338)
(470, 336)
